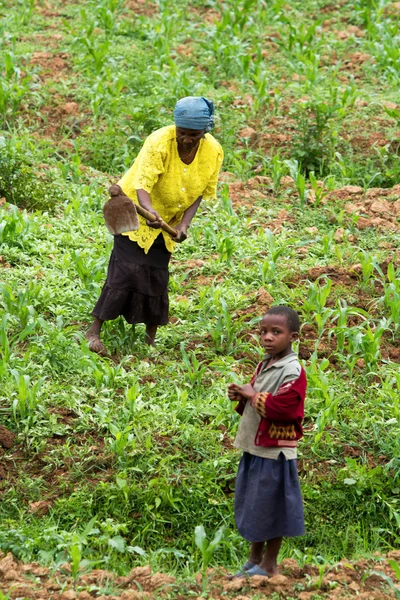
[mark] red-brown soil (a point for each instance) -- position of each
(344, 580)
(141, 7)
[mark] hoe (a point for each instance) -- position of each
(120, 214)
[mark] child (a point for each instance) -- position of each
(268, 502)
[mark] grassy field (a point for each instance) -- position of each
(116, 460)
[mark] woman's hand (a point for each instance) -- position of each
(182, 232)
(155, 224)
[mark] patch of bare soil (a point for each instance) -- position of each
(49, 40)
(205, 14)
(243, 193)
(52, 65)
(141, 7)
(62, 113)
(378, 207)
(344, 580)
(392, 9)
(352, 31)
(57, 478)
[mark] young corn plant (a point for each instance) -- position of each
(122, 441)
(226, 249)
(90, 270)
(322, 396)
(319, 191)
(299, 180)
(316, 298)
(390, 300)
(106, 13)
(269, 267)
(14, 225)
(26, 401)
(278, 169)
(369, 265)
(207, 549)
(20, 303)
(194, 369)
(365, 342)
(341, 315)
(14, 85)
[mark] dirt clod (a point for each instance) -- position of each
(7, 438)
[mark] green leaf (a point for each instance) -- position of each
(118, 543)
(136, 550)
(200, 538)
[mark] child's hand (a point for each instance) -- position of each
(233, 392)
(246, 390)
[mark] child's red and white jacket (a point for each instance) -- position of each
(282, 413)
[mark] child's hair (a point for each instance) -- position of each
(291, 316)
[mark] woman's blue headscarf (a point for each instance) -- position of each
(194, 112)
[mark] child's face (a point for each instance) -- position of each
(275, 335)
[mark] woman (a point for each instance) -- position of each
(175, 170)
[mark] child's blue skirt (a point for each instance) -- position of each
(268, 502)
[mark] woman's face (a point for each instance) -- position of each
(189, 138)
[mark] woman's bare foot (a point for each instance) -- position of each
(96, 345)
(150, 336)
(93, 337)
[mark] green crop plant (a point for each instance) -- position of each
(300, 39)
(318, 189)
(122, 440)
(226, 249)
(106, 12)
(279, 169)
(391, 296)
(387, 54)
(194, 369)
(321, 320)
(369, 266)
(226, 330)
(341, 315)
(14, 85)
(207, 549)
(21, 303)
(89, 270)
(299, 180)
(269, 266)
(26, 401)
(94, 47)
(14, 225)
(317, 297)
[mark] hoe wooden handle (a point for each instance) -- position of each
(115, 190)
(150, 217)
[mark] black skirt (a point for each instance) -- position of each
(137, 283)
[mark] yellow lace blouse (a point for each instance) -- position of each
(172, 185)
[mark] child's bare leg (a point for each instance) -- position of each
(256, 552)
(93, 337)
(270, 559)
(151, 331)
